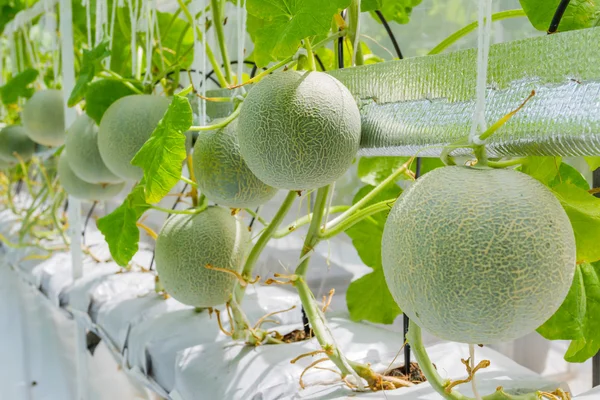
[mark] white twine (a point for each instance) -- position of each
(88, 21)
(99, 22)
(158, 39)
(241, 35)
(484, 30)
(133, 16)
(472, 362)
(204, 66)
(150, 13)
(111, 29)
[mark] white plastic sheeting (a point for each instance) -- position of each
(152, 348)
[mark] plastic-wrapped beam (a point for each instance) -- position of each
(422, 104)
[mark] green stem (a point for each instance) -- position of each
(189, 182)
(209, 53)
(507, 163)
(354, 31)
(240, 322)
(415, 339)
(312, 237)
(310, 55)
(263, 240)
(123, 80)
(471, 27)
(217, 12)
(256, 216)
(218, 125)
(357, 217)
(404, 170)
(169, 211)
(291, 58)
(304, 221)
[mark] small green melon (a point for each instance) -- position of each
(187, 243)
(14, 139)
(83, 154)
(222, 174)
(44, 119)
(125, 127)
(478, 255)
(81, 189)
(299, 130)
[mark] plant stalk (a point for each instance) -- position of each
(217, 12)
(354, 31)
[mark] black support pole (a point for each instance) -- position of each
(596, 358)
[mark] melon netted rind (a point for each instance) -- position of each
(125, 127)
(222, 174)
(44, 119)
(187, 243)
(81, 189)
(83, 154)
(478, 256)
(299, 130)
(14, 139)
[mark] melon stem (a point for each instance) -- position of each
(435, 380)
(310, 55)
(217, 8)
(262, 241)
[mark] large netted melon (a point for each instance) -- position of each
(44, 119)
(83, 154)
(187, 243)
(222, 174)
(14, 139)
(478, 255)
(299, 130)
(125, 127)
(81, 189)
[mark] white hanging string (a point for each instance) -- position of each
(158, 39)
(472, 364)
(88, 21)
(99, 22)
(133, 16)
(30, 53)
(241, 35)
(111, 29)
(204, 69)
(149, 14)
(484, 31)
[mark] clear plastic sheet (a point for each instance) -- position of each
(424, 103)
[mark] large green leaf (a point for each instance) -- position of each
(90, 65)
(392, 10)
(18, 86)
(544, 169)
(568, 174)
(579, 14)
(373, 170)
(101, 94)
(278, 26)
(593, 162)
(368, 298)
(119, 227)
(177, 38)
(162, 155)
(583, 210)
(577, 318)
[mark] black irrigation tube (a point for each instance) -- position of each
(87, 220)
(596, 358)
(388, 29)
(560, 11)
(405, 319)
(320, 62)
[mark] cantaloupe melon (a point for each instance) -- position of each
(44, 119)
(83, 154)
(299, 130)
(125, 127)
(478, 255)
(187, 243)
(81, 189)
(222, 174)
(14, 139)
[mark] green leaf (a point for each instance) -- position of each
(568, 174)
(176, 38)
(593, 162)
(18, 87)
(90, 64)
(583, 210)
(119, 227)
(101, 94)
(373, 170)
(578, 15)
(277, 26)
(577, 318)
(368, 298)
(161, 156)
(544, 169)
(392, 10)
